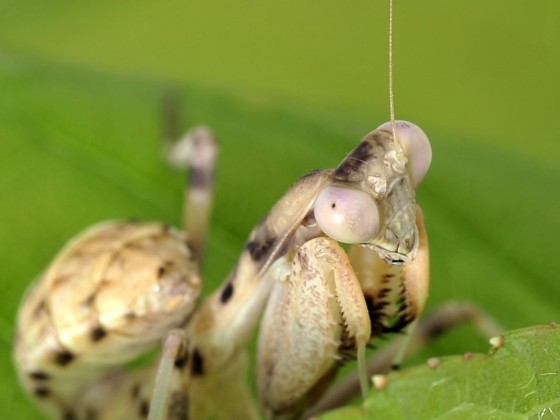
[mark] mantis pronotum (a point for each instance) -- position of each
(120, 287)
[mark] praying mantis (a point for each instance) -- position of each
(120, 288)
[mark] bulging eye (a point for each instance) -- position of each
(347, 215)
(416, 147)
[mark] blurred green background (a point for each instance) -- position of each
(288, 87)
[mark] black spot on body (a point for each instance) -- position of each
(144, 409)
(181, 360)
(259, 249)
(197, 365)
(200, 179)
(39, 376)
(64, 358)
(227, 293)
(42, 392)
(98, 333)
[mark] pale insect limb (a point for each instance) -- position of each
(163, 383)
(416, 282)
(196, 152)
(309, 309)
(436, 323)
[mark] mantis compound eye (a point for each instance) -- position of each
(416, 147)
(347, 215)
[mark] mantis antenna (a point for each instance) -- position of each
(391, 93)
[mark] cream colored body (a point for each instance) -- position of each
(322, 306)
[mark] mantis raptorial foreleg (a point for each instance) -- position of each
(390, 296)
(309, 309)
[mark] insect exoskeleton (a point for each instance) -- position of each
(111, 294)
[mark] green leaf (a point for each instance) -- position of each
(519, 380)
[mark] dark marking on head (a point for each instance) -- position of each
(227, 292)
(144, 409)
(354, 162)
(396, 367)
(64, 358)
(39, 376)
(98, 333)
(258, 249)
(197, 364)
(42, 392)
